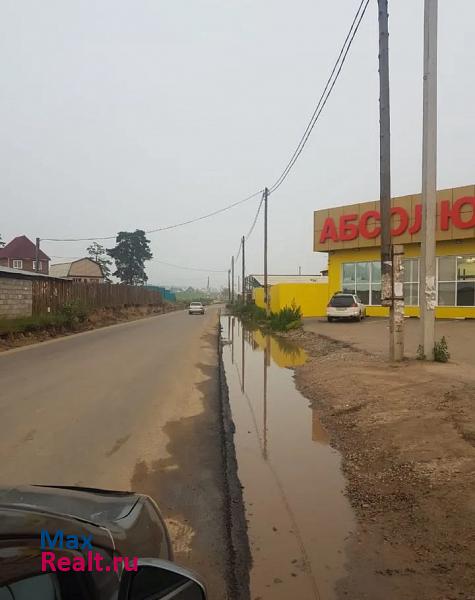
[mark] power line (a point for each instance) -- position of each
(156, 230)
(249, 233)
(190, 268)
(238, 253)
(335, 73)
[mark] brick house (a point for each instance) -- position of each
(20, 253)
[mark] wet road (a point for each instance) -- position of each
(133, 406)
(298, 517)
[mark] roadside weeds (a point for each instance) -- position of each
(94, 320)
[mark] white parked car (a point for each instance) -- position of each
(345, 306)
(196, 308)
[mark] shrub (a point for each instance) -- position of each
(289, 317)
(249, 312)
(420, 352)
(441, 351)
(73, 312)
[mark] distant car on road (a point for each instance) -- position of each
(70, 543)
(196, 308)
(345, 306)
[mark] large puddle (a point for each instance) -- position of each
(298, 517)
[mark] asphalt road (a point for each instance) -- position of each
(132, 406)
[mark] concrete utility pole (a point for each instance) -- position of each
(428, 295)
(388, 290)
(37, 255)
(232, 279)
(229, 286)
(266, 285)
(243, 242)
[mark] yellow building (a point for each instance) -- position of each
(351, 237)
(308, 292)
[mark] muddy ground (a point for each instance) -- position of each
(407, 436)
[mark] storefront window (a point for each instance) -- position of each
(376, 272)
(447, 268)
(411, 281)
(363, 279)
(349, 273)
(456, 277)
(446, 294)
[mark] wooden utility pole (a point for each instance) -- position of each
(37, 255)
(243, 242)
(428, 294)
(232, 279)
(266, 285)
(396, 347)
(229, 286)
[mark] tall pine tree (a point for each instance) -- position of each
(130, 253)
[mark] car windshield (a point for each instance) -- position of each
(342, 301)
(196, 304)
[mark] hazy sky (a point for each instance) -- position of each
(121, 115)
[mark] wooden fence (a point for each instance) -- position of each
(50, 296)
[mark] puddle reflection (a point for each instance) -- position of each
(298, 516)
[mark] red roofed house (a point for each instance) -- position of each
(20, 253)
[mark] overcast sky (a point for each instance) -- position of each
(119, 115)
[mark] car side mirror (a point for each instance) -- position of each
(155, 579)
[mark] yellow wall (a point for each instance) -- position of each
(337, 257)
(311, 297)
(283, 355)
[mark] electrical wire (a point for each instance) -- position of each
(335, 73)
(156, 230)
(161, 262)
(238, 253)
(249, 233)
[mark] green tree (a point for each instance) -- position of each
(99, 254)
(130, 253)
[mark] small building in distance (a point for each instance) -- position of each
(83, 269)
(20, 254)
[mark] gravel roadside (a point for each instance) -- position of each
(407, 436)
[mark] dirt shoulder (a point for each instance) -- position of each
(407, 436)
(95, 320)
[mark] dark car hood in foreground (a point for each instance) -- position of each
(133, 522)
(97, 506)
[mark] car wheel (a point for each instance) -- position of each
(330, 319)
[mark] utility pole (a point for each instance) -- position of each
(266, 285)
(232, 279)
(37, 255)
(229, 286)
(388, 295)
(300, 270)
(243, 242)
(429, 180)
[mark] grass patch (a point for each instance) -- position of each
(69, 317)
(289, 317)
